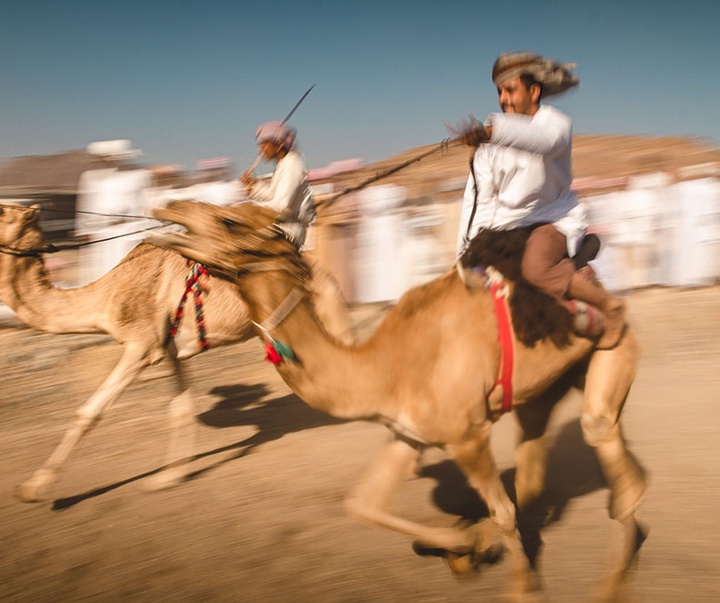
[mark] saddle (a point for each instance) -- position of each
(535, 314)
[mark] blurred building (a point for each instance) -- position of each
(52, 182)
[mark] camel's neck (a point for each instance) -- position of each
(26, 288)
(340, 380)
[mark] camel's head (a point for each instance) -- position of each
(18, 226)
(230, 241)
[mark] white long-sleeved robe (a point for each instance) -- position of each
(523, 177)
(287, 193)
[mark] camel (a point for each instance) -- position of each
(427, 373)
(134, 303)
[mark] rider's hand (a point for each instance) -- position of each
(246, 181)
(470, 131)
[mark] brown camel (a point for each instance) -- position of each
(427, 374)
(134, 303)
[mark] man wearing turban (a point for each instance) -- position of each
(521, 175)
(286, 191)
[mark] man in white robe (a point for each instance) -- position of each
(111, 210)
(286, 191)
(521, 176)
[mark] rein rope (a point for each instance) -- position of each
(28, 253)
(443, 146)
(50, 248)
(192, 285)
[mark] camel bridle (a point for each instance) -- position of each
(251, 243)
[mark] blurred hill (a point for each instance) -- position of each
(599, 157)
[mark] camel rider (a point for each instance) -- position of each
(286, 191)
(521, 176)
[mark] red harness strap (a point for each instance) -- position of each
(192, 286)
(505, 342)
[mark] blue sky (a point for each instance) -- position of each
(190, 80)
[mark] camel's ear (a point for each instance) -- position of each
(32, 215)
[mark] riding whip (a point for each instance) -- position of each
(284, 121)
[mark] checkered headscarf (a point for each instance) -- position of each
(555, 77)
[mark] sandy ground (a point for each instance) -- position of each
(262, 519)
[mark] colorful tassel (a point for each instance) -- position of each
(284, 350)
(272, 355)
(276, 352)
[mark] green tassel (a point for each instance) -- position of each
(283, 350)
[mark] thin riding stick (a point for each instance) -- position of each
(284, 121)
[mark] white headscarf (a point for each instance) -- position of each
(276, 131)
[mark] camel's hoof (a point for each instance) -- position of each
(460, 562)
(471, 563)
(461, 566)
(612, 590)
(526, 584)
(516, 597)
(28, 493)
(165, 480)
(491, 555)
(456, 558)
(37, 488)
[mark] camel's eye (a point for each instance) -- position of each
(229, 223)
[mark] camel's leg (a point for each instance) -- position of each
(133, 361)
(531, 454)
(183, 430)
(609, 377)
(368, 500)
(475, 458)
(531, 458)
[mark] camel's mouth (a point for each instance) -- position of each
(169, 240)
(225, 238)
(175, 214)
(197, 242)
(20, 225)
(213, 235)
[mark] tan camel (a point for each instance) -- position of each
(426, 373)
(134, 303)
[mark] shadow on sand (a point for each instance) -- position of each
(572, 471)
(240, 405)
